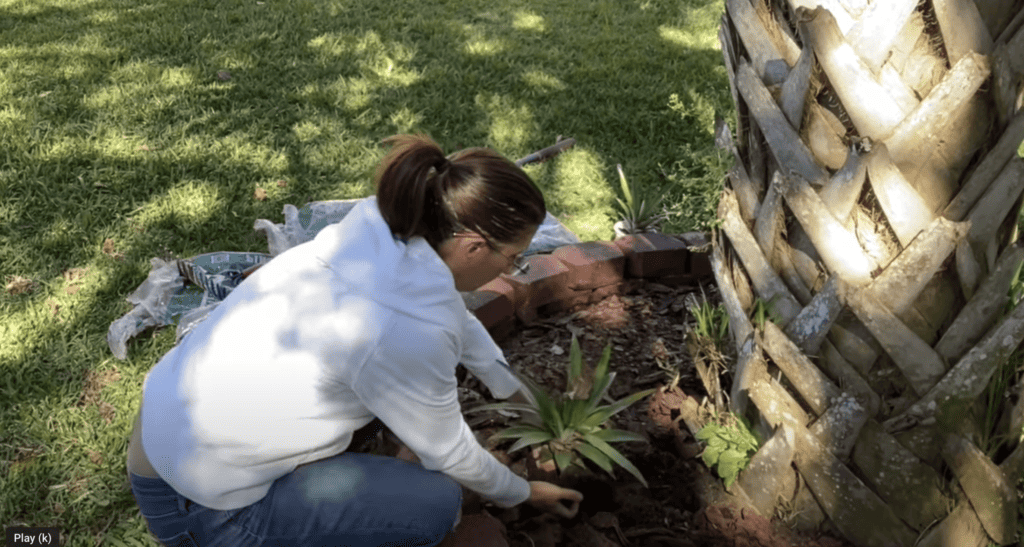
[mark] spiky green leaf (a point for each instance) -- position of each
(530, 440)
(601, 371)
(575, 362)
(596, 456)
(624, 184)
(516, 432)
(615, 456)
(514, 407)
(573, 413)
(618, 436)
(562, 460)
(599, 392)
(602, 414)
(546, 407)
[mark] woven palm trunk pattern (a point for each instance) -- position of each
(871, 217)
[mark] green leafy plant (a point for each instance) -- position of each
(712, 322)
(571, 425)
(706, 341)
(765, 311)
(728, 447)
(636, 217)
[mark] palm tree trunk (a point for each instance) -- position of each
(873, 208)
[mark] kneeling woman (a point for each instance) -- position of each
(243, 428)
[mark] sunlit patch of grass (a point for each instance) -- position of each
(187, 205)
(510, 124)
(543, 81)
(480, 46)
(528, 20)
(582, 195)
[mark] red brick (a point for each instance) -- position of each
(653, 255)
(592, 264)
(545, 282)
(489, 307)
(503, 330)
(516, 294)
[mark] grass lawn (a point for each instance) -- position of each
(138, 128)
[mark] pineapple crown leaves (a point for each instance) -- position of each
(636, 214)
(571, 425)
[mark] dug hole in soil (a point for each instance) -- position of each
(621, 511)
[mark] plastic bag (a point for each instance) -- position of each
(180, 292)
(302, 225)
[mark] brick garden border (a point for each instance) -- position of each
(586, 273)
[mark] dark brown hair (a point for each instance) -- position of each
(421, 192)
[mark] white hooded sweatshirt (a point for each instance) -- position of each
(331, 333)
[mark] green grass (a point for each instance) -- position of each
(115, 126)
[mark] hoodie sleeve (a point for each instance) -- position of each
(409, 383)
(482, 357)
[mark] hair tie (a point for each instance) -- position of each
(442, 165)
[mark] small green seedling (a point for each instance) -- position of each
(728, 448)
(765, 311)
(712, 322)
(636, 216)
(572, 425)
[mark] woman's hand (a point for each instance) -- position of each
(548, 497)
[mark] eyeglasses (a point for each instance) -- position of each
(517, 264)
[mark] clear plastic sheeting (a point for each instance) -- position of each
(180, 292)
(184, 292)
(302, 225)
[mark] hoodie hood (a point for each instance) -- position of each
(408, 277)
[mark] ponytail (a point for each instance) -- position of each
(421, 192)
(407, 187)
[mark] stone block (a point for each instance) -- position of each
(592, 264)
(653, 255)
(695, 240)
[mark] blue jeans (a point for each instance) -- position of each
(352, 499)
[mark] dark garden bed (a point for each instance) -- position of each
(646, 324)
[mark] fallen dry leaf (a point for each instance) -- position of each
(74, 274)
(260, 194)
(107, 412)
(109, 250)
(18, 285)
